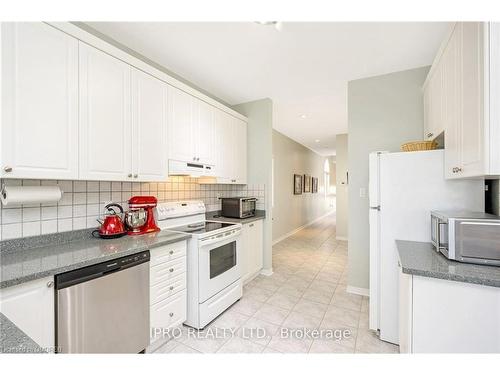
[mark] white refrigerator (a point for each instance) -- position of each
(404, 187)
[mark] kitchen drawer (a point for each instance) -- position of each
(167, 288)
(168, 252)
(169, 312)
(167, 271)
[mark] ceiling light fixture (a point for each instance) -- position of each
(303, 116)
(277, 25)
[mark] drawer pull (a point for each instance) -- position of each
(171, 314)
(171, 288)
(171, 270)
(171, 252)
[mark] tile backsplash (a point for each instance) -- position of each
(83, 202)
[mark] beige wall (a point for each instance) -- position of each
(383, 112)
(260, 148)
(341, 177)
(293, 211)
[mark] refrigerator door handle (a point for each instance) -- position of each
(375, 208)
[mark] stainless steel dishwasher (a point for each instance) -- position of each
(104, 308)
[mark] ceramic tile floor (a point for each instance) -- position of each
(307, 290)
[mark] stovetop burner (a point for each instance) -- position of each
(202, 227)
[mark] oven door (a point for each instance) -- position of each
(219, 264)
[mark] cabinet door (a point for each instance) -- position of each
(30, 306)
(180, 126)
(39, 102)
(105, 126)
(224, 147)
(149, 127)
(246, 254)
(472, 125)
(240, 151)
(204, 131)
(452, 113)
(257, 245)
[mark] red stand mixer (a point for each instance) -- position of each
(140, 218)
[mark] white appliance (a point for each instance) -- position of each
(404, 188)
(213, 259)
(194, 169)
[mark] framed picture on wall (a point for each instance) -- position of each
(297, 184)
(314, 187)
(307, 183)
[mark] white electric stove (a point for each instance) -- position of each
(213, 259)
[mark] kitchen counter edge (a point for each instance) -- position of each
(421, 259)
(137, 244)
(259, 215)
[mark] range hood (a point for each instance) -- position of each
(182, 168)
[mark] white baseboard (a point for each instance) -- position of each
(360, 291)
(341, 238)
(291, 233)
(266, 271)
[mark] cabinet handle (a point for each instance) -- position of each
(194, 158)
(197, 159)
(171, 252)
(50, 284)
(129, 175)
(171, 314)
(171, 270)
(7, 169)
(429, 135)
(250, 225)
(459, 170)
(171, 288)
(136, 175)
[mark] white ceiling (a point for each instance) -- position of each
(304, 68)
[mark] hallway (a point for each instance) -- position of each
(306, 291)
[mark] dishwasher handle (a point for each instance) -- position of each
(80, 275)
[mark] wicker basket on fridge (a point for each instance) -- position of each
(419, 146)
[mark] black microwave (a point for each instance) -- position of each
(238, 207)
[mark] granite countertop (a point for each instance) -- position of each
(14, 340)
(33, 258)
(421, 259)
(259, 215)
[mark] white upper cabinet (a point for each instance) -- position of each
(149, 127)
(231, 146)
(191, 128)
(204, 132)
(240, 152)
(180, 126)
(105, 124)
(433, 104)
(39, 132)
(469, 77)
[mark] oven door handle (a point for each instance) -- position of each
(219, 238)
(249, 200)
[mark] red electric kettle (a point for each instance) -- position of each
(112, 226)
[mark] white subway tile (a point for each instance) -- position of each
(92, 198)
(116, 186)
(11, 231)
(31, 229)
(79, 223)
(64, 225)
(80, 198)
(31, 214)
(49, 213)
(105, 197)
(93, 209)
(66, 200)
(79, 186)
(104, 186)
(92, 221)
(31, 182)
(92, 186)
(126, 186)
(66, 186)
(11, 215)
(79, 210)
(64, 212)
(49, 226)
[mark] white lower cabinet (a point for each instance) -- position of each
(30, 306)
(168, 297)
(252, 250)
(442, 316)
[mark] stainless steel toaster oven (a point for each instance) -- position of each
(469, 237)
(238, 207)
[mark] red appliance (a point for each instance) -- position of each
(112, 226)
(141, 206)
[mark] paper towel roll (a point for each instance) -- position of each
(30, 194)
